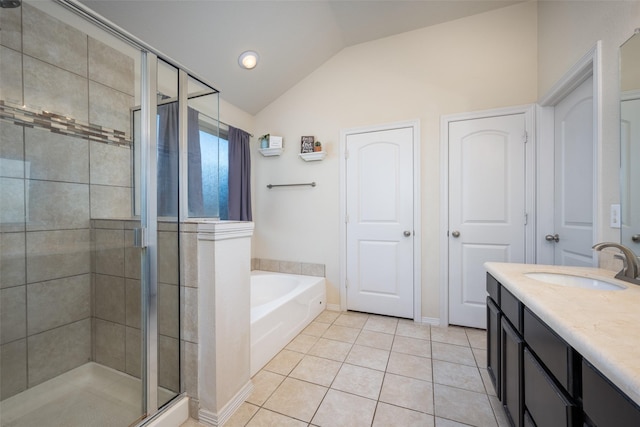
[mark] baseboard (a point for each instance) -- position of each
(218, 419)
(433, 321)
(176, 414)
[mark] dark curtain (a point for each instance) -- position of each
(168, 165)
(239, 175)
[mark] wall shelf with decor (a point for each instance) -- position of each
(268, 152)
(313, 157)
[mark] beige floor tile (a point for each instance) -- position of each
(302, 343)
(480, 355)
(264, 384)
(410, 366)
(383, 324)
(340, 409)
(414, 346)
(331, 349)
(368, 357)
(486, 380)
(242, 416)
(452, 353)
(350, 321)
(327, 316)
(456, 375)
(266, 418)
(364, 382)
(477, 338)
(450, 335)
(375, 340)
(341, 333)
(284, 362)
(443, 422)
(191, 423)
(408, 328)
(316, 329)
(408, 393)
(316, 370)
(390, 415)
(297, 399)
(463, 406)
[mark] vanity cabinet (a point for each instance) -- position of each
(539, 378)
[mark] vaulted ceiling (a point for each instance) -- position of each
(292, 37)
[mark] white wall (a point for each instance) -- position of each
(566, 31)
(476, 63)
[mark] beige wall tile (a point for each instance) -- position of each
(109, 252)
(57, 205)
(58, 302)
(109, 343)
(189, 259)
(189, 313)
(269, 265)
(169, 363)
(55, 254)
(131, 257)
(10, 75)
(289, 267)
(316, 270)
(168, 310)
(13, 314)
(110, 299)
(11, 24)
(110, 202)
(12, 202)
(111, 67)
(58, 350)
(189, 361)
(56, 157)
(110, 164)
(12, 259)
(13, 365)
(11, 150)
(132, 309)
(53, 41)
(49, 88)
(109, 108)
(133, 365)
(168, 268)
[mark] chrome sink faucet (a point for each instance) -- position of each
(631, 267)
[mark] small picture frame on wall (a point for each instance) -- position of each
(306, 144)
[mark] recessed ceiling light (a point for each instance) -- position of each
(248, 60)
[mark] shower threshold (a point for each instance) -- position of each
(90, 395)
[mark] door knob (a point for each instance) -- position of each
(635, 238)
(552, 238)
(455, 234)
(407, 233)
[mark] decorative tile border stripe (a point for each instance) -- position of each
(57, 123)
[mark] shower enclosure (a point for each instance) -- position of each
(99, 161)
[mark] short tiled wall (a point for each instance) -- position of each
(289, 267)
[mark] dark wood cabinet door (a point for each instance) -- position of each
(493, 344)
(512, 373)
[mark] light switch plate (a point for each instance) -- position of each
(615, 216)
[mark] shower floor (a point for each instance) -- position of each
(90, 395)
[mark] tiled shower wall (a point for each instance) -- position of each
(65, 159)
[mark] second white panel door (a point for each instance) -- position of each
(379, 175)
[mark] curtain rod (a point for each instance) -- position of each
(227, 124)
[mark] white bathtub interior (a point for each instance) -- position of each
(282, 305)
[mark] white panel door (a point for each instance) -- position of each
(379, 175)
(573, 211)
(486, 208)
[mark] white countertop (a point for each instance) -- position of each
(603, 326)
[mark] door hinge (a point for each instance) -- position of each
(346, 219)
(346, 284)
(525, 137)
(346, 154)
(139, 237)
(526, 218)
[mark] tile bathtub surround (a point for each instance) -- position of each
(355, 369)
(288, 267)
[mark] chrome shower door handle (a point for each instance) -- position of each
(552, 238)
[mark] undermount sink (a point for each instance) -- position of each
(576, 281)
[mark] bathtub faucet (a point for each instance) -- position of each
(631, 267)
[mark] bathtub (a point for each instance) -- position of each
(282, 305)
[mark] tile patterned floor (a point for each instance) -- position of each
(354, 369)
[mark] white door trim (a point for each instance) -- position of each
(417, 219)
(589, 65)
(529, 114)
